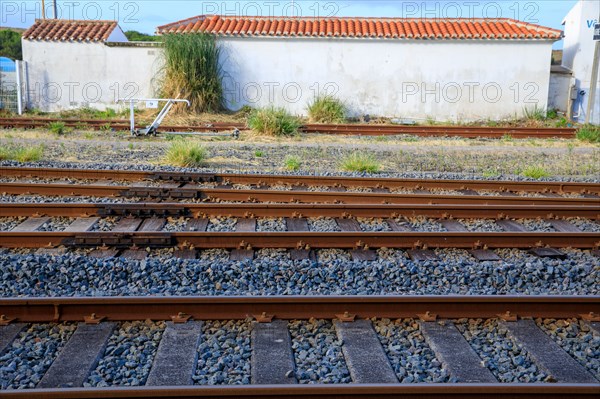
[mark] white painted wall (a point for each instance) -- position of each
(578, 53)
(558, 97)
(459, 80)
(446, 80)
(66, 75)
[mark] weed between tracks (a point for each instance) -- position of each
(186, 154)
(21, 154)
(359, 161)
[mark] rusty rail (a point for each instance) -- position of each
(336, 129)
(453, 131)
(332, 181)
(443, 211)
(322, 391)
(287, 196)
(301, 240)
(296, 307)
(69, 309)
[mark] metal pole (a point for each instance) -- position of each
(131, 117)
(19, 88)
(594, 83)
(54, 9)
(43, 9)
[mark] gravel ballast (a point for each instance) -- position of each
(577, 339)
(274, 273)
(318, 353)
(224, 354)
(411, 358)
(500, 353)
(128, 356)
(25, 361)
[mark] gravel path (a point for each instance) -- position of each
(24, 362)
(499, 352)
(318, 353)
(273, 273)
(224, 353)
(128, 356)
(569, 334)
(411, 358)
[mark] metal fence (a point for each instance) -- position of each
(11, 85)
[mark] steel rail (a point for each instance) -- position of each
(117, 124)
(287, 196)
(346, 129)
(382, 198)
(301, 240)
(454, 131)
(59, 309)
(443, 211)
(258, 179)
(322, 391)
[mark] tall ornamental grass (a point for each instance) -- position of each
(192, 71)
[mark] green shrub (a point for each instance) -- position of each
(57, 128)
(327, 109)
(552, 114)
(292, 163)
(192, 71)
(535, 172)
(258, 153)
(28, 154)
(359, 161)
(185, 154)
(589, 133)
(274, 121)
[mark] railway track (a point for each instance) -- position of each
(143, 226)
(292, 189)
(337, 129)
(141, 223)
(276, 364)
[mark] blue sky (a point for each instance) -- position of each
(145, 15)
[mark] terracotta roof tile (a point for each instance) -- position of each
(70, 30)
(385, 28)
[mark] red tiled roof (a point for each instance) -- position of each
(350, 27)
(63, 30)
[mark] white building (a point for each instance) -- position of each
(443, 69)
(578, 55)
(73, 64)
(463, 70)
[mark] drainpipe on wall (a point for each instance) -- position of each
(43, 9)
